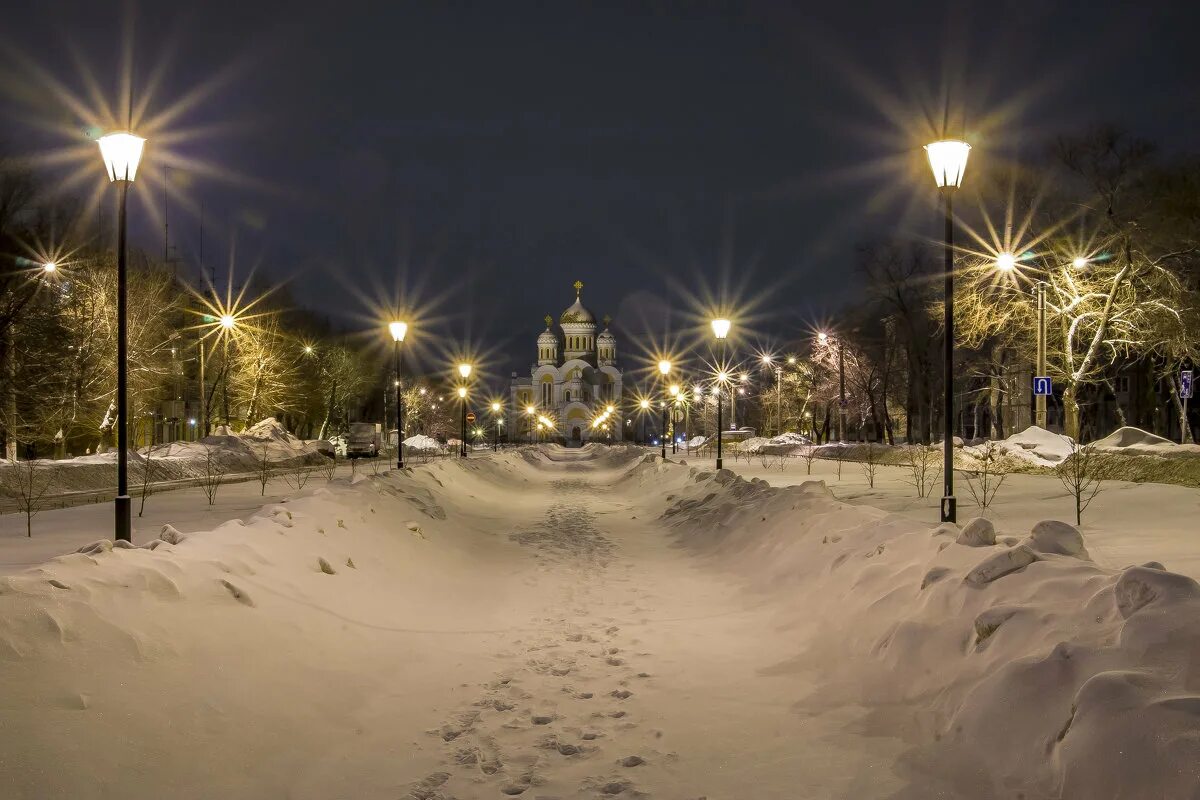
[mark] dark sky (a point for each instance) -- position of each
(486, 155)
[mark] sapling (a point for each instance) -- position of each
(809, 454)
(924, 467)
(213, 476)
(329, 467)
(29, 483)
(264, 469)
(989, 477)
(870, 464)
(1082, 473)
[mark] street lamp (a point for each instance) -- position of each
(644, 404)
(49, 267)
(948, 160)
(227, 322)
(664, 369)
(530, 411)
(720, 329)
(399, 330)
(121, 153)
(674, 390)
(496, 415)
(462, 402)
(823, 338)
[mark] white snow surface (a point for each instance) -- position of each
(1035, 445)
(422, 442)
(591, 623)
(784, 443)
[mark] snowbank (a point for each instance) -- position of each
(1036, 446)
(232, 453)
(783, 444)
(423, 443)
(1024, 667)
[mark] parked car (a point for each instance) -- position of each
(364, 440)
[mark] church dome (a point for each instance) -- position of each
(606, 338)
(547, 338)
(577, 313)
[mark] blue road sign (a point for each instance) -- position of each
(1042, 386)
(1185, 383)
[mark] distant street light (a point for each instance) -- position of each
(121, 153)
(399, 329)
(1006, 262)
(720, 329)
(948, 160)
(664, 369)
(496, 416)
(49, 266)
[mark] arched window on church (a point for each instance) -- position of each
(567, 396)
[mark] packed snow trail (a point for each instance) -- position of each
(595, 624)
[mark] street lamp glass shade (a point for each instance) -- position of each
(49, 266)
(644, 403)
(121, 153)
(766, 359)
(1079, 262)
(720, 328)
(464, 370)
(822, 337)
(495, 406)
(462, 391)
(529, 409)
(674, 390)
(664, 367)
(227, 321)
(398, 330)
(1005, 262)
(948, 160)
(722, 377)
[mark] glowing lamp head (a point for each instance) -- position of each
(308, 348)
(744, 377)
(1006, 262)
(722, 377)
(49, 266)
(644, 404)
(227, 321)
(121, 153)
(462, 392)
(791, 359)
(674, 390)
(664, 367)
(767, 360)
(609, 410)
(495, 407)
(822, 337)
(720, 328)
(529, 410)
(398, 330)
(464, 370)
(948, 160)
(1079, 262)
(421, 391)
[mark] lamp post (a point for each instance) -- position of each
(464, 372)
(121, 153)
(530, 411)
(228, 322)
(399, 330)
(720, 328)
(664, 369)
(496, 415)
(948, 160)
(644, 404)
(674, 404)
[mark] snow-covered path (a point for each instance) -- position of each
(592, 624)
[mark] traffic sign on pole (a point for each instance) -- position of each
(1042, 386)
(470, 416)
(1185, 384)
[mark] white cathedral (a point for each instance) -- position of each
(573, 382)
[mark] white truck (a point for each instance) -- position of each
(364, 439)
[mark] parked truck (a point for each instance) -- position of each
(364, 439)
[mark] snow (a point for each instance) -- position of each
(783, 443)
(593, 622)
(1034, 445)
(1132, 437)
(421, 442)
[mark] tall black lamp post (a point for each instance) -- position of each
(121, 153)
(664, 369)
(399, 330)
(948, 160)
(721, 331)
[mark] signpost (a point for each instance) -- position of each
(1042, 386)
(1185, 394)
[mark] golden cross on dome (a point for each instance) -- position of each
(549, 320)
(607, 320)
(578, 288)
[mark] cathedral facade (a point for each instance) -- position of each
(573, 382)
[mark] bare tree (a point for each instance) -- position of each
(27, 481)
(264, 468)
(988, 477)
(213, 475)
(1082, 473)
(870, 463)
(923, 462)
(809, 454)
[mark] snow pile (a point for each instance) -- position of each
(1135, 441)
(1025, 667)
(422, 443)
(783, 444)
(1036, 446)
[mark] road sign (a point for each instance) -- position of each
(1042, 387)
(470, 416)
(1185, 383)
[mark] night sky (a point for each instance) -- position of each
(487, 155)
